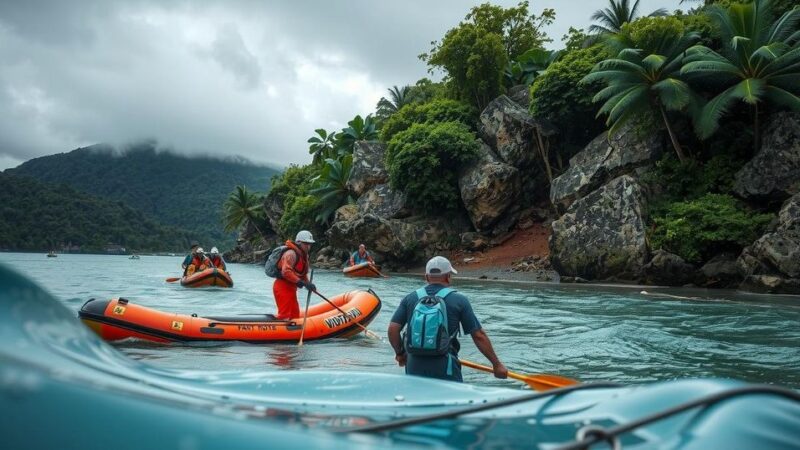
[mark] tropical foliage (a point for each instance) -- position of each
(644, 77)
(358, 129)
(528, 66)
(619, 12)
(423, 162)
(323, 145)
(331, 186)
(244, 208)
(759, 62)
(398, 97)
(436, 111)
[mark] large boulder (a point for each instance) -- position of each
(772, 262)
(397, 242)
(488, 188)
(521, 95)
(774, 173)
(720, 272)
(603, 159)
(668, 269)
(603, 235)
(368, 167)
(509, 130)
(383, 201)
(273, 209)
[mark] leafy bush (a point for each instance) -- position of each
(423, 162)
(692, 179)
(698, 229)
(651, 34)
(295, 181)
(558, 97)
(299, 214)
(439, 110)
(425, 90)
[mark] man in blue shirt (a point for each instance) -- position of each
(361, 256)
(459, 313)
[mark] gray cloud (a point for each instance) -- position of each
(235, 77)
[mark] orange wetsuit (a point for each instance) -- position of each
(294, 267)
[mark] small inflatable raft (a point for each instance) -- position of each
(118, 319)
(207, 278)
(365, 270)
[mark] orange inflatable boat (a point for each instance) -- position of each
(362, 270)
(208, 277)
(118, 319)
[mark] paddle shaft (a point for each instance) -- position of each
(305, 314)
(369, 333)
(550, 381)
(375, 269)
(172, 280)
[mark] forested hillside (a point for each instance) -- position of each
(40, 216)
(171, 188)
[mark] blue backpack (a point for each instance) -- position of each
(427, 333)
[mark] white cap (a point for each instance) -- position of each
(214, 251)
(199, 250)
(304, 236)
(439, 265)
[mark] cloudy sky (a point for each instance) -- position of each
(249, 78)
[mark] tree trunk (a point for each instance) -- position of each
(675, 144)
(756, 131)
(544, 153)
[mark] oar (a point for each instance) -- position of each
(173, 279)
(537, 382)
(305, 314)
(375, 269)
(369, 333)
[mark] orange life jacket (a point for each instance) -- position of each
(301, 262)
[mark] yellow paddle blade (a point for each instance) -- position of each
(537, 382)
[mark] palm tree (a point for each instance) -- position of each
(617, 14)
(322, 145)
(759, 62)
(243, 208)
(398, 97)
(331, 186)
(639, 82)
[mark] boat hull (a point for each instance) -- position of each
(119, 319)
(363, 270)
(208, 278)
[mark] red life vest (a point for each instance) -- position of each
(217, 262)
(301, 262)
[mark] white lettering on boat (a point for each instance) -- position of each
(341, 319)
(256, 327)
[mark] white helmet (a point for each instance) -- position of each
(304, 236)
(199, 250)
(214, 251)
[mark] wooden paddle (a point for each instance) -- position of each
(368, 333)
(173, 279)
(537, 382)
(375, 269)
(305, 314)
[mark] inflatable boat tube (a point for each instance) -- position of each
(119, 319)
(207, 278)
(365, 270)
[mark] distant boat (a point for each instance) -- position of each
(52, 254)
(134, 257)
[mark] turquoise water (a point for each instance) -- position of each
(586, 332)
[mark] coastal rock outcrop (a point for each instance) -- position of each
(394, 241)
(488, 188)
(383, 201)
(772, 262)
(508, 129)
(603, 159)
(273, 209)
(521, 95)
(603, 235)
(368, 167)
(668, 269)
(720, 272)
(774, 173)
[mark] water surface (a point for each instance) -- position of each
(586, 332)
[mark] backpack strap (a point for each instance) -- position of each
(421, 293)
(444, 292)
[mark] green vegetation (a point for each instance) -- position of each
(37, 216)
(173, 189)
(323, 145)
(423, 162)
(398, 97)
(698, 229)
(435, 111)
(242, 209)
(528, 66)
(611, 20)
(331, 186)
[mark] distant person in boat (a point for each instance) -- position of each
(361, 256)
(216, 259)
(437, 310)
(198, 263)
(188, 259)
(293, 268)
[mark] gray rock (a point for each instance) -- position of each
(473, 241)
(774, 173)
(346, 213)
(488, 187)
(603, 235)
(509, 130)
(603, 159)
(368, 167)
(668, 269)
(253, 250)
(402, 242)
(273, 208)
(720, 272)
(521, 95)
(383, 201)
(772, 262)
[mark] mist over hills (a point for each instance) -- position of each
(177, 190)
